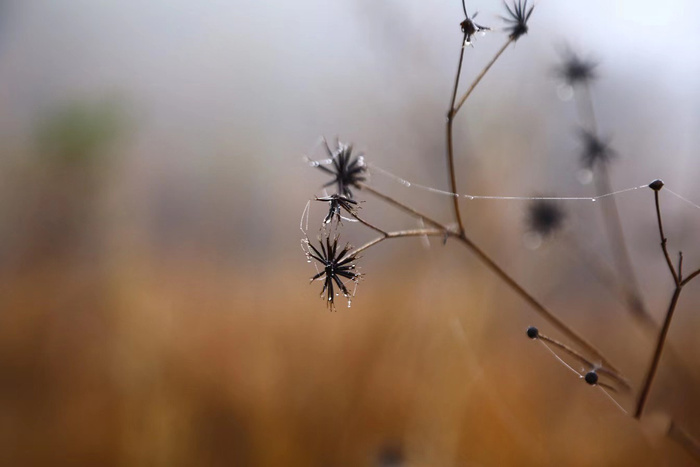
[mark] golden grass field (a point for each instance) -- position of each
(142, 360)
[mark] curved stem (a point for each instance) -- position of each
(691, 277)
(403, 207)
(478, 79)
(534, 303)
(611, 218)
(651, 372)
(491, 264)
(450, 149)
(664, 240)
(400, 234)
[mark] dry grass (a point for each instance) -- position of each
(171, 363)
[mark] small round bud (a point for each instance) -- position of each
(532, 332)
(591, 377)
(656, 185)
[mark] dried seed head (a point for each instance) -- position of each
(533, 332)
(517, 19)
(656, 185)
(470, 28)
(337, 265)
(545, 216)
(335, 203)
(591, 378)
(575, 70)
(391, 455)
(348, 171)
(595, 150)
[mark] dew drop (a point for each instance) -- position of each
(565, 92)
(349, 303)
(532, 240)
(584, 176)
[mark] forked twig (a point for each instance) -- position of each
(656, 185)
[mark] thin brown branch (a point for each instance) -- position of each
(481, 75)
(664, 240)
(491, 264)
(450, 146)
(573, 353)
(690, 277)
(403, 207)
(534, 303)
(364, 222)
(613, 224)
(400, 234)
(682, 437)
(651, 372)
(607, 276)
(611, 217)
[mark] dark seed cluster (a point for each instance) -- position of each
(595, 150)
(336, 264)
(545, 216)
(575, 70)
(336, 203)
(347, 171)
(517, 19)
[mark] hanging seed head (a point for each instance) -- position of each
(335, 204)
(470, 28)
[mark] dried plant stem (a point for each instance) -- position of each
(611, 219)
(400, 234)
(604, 272)
(587, 111)
(403, 207)
(496, 269)
(613, 226)
(680, 436)
(450, 149)
(534, 303)
(664, 240)
(679, 283)
(651, 372)
(571, 352)
(481, 75)
(364, 222)
(690, 277)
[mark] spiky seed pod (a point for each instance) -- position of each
(595, 150)
(545, 217)
(335, 204)
(575, 70)
(347, 171)
(517, 19)
(336, 265)
(470, 28)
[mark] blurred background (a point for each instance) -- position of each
(154, 300)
